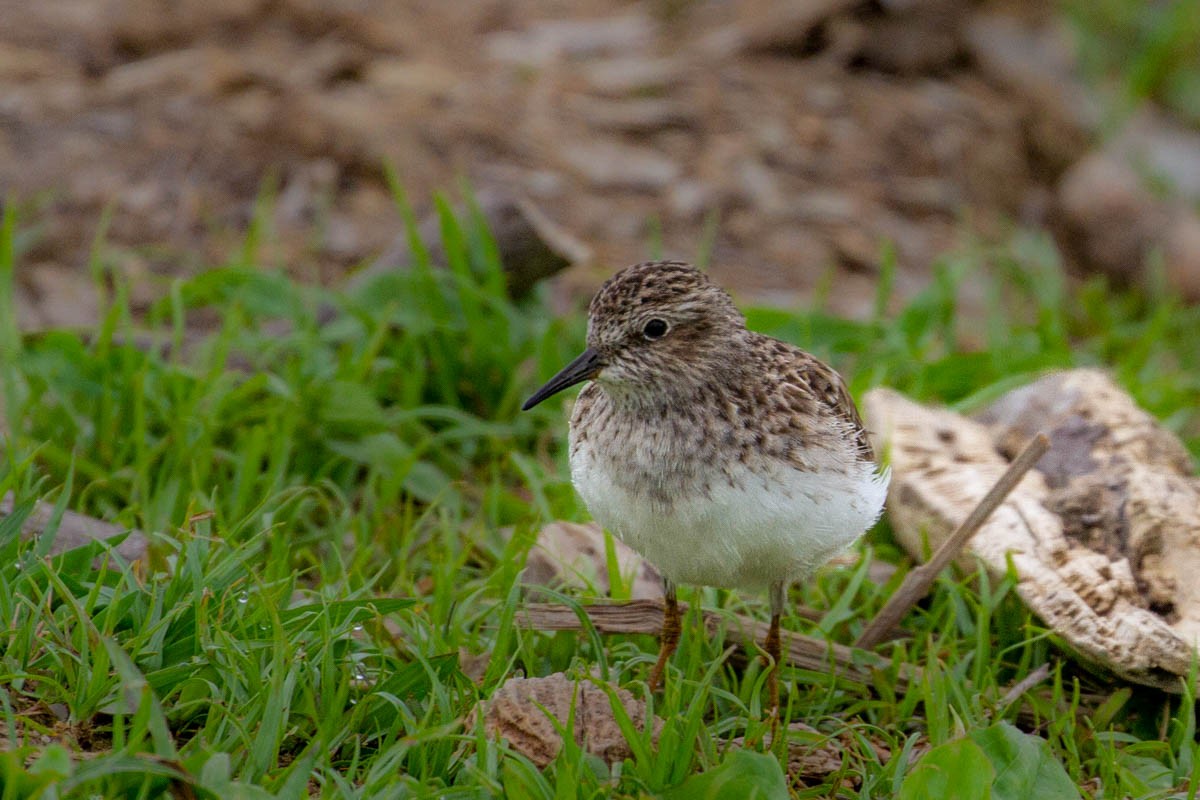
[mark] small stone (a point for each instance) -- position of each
(144, 25)
(689, 199)
(825, 205)
(1038, 64)
(760, 187)
(1181, 254)
(855, 248)
(1111, 215)
(920, 41)
(66, 297)
(200, 70)
(76, 530)
(404, 75)
(812, 755)
(925, 196)
(532, 246)
(633, 115)
(29, 64)
(782, 25)
(623, 76)
(1169, 150)
(607, 165)
(541, 43)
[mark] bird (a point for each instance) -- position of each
(724, 457)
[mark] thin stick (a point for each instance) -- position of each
(646, 616)
(918, 582)
(1025, 684)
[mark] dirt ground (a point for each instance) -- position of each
(804, 134)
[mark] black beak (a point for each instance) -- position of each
(581, 369)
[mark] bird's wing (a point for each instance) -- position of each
(828, 388)
(814, 393)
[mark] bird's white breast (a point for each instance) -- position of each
(745, 528)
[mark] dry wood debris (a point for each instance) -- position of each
(1103, 535)
(529, 712)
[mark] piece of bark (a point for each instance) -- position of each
(75, 530)
(811, 755)
(943, 463)
(568, 554)
(528, 712)
(532, 247)
(1123, 485)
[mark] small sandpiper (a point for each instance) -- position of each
(725, 457)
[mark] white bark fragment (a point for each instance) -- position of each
(1104, 535)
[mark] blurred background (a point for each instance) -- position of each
(795, 145)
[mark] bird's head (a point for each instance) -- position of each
(656, 329)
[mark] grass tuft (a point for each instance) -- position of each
(339, 494)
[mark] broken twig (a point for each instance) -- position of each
(918, 582)
(1025, 684)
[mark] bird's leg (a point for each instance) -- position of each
(670, 633)
(773, 646)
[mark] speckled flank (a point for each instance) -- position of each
(726, 457)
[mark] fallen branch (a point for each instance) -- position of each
(920, 580)
(805, 652)
(646, 616)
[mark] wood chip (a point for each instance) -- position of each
(528, 713)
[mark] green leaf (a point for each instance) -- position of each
(18, 781)
(1024, 764)
(10, 526)
(351, 406)
(411, 683)
(1143, 774)
(55, 760)
(382, 451)
(139, 766)
(45, 539)
(742, 776)
(217, 772)
(957, 770)
(425, 481)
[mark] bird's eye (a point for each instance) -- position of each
(655, 329)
